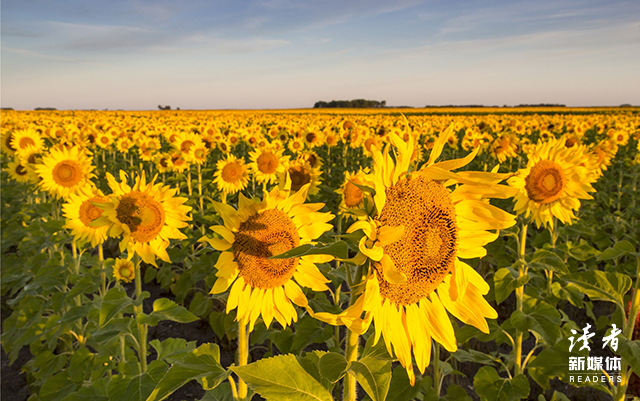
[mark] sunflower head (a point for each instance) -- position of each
(554, 181)
(546, 182)
(426, 252)
(147, 216)
(124, 270)
(414, 239)
(83, 216)
(64, 171)
(231, 175)
(250, 236)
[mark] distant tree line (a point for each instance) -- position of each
(542, 105)
(45, 108)
(355, 103)
(464, 106)
(167, 107)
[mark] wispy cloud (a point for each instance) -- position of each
(31, 53)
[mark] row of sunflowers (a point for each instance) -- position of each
(473, 244)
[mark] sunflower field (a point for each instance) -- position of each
(380, 254)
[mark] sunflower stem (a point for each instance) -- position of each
(553, 230)
(189, 182)
(351, 354)
(123, 361)
(243, 356)
(234, 390)
(517, 369)
(142, 328)
(103, 276)
(437, 373)
(629, 325)
(351, 351)
(200, 188)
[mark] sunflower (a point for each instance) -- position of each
(24, 139)
(266, 164)
(413, 241)
(300, 173)
(187, 143)
(552, 183)
(199, 154)
(104, 140)
(19, 171)
(296, 145)
(178, 162)
(81, 211)
(124, 270)
(231, 175)
(249, 237)
(147, 216)
(5, 142)
(64, 170)
(163, 162)
(124, 144)
(353, 198)
(312, 158)
(504, 146)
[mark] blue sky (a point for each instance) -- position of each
(196, 54)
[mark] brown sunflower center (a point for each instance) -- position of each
(311, 159)
(186, 145)
(67, 173)
(352, 194)
(26, 141)
(299, 177)
(232, 172)
(142, 214)
(89, 212)
(263, 235)
(369, 142)
(427, 250)
(267, 163)
(311, 137)
(7, 142)
(546, 182)
(20, 170)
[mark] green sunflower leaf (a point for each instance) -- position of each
(630, 352)
(165, 309)
(490, 386)
(338, 249)
(601, 286)
(282, 378)
(547, 260)
(619, 249)
(374, 375)
(201, 364)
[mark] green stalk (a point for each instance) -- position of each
(553, 230)
(200, 189)
(437, 372)
(517, 369)
(351, 354)
(243, 356)
(189, 181)
(103, 276)
(634, 309)
(142, 328)
(351, 351)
